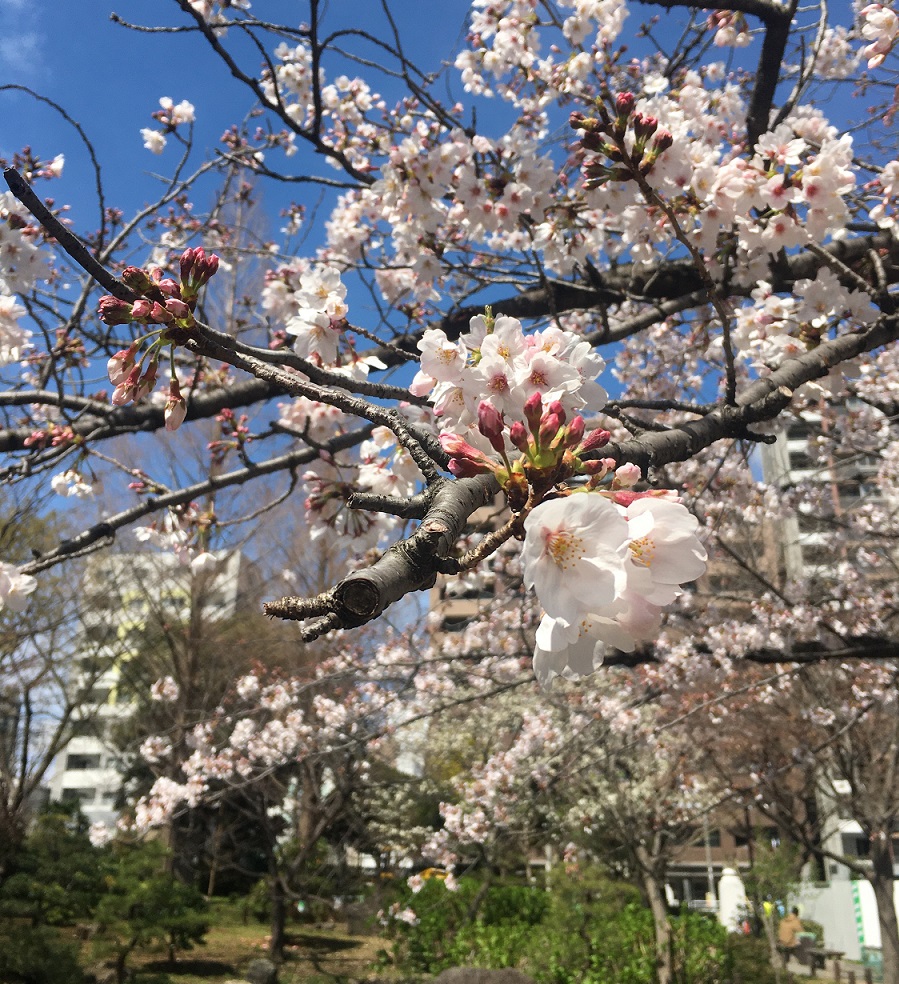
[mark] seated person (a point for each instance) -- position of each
(788, 932)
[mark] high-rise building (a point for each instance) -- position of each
(127, 598)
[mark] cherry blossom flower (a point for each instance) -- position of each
(14, 587)
(154, 141)
(574, 555)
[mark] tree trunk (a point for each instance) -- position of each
(769, 924)
(883, 882)
(655, 895)
(278, 900)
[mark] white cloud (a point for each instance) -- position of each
(20, 53)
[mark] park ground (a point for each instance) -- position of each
(315, 955)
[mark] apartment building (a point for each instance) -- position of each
(127, 597)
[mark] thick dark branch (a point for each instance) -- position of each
(668, 287)
(141, 417)
(67, 240)
(866, 649)
(410, 565)
(777, 19)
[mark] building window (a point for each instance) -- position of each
(80, 794)
(82, 761)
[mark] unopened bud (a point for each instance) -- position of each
(575, 432)
(626, 476)
(175, 407)
(518, 435)
(112, 311)
(159, 315)
(533, 411)
(141, 309)
(121, 364)
(598, 438)
(644, 127)
(148, 383)
(177, 308)
(663, 140)
(490, 424)
(137, 279)
(624, 104)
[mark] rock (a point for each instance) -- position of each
(476, 975)
(261, 970)
(101, 974)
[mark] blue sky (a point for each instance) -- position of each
(110, 79)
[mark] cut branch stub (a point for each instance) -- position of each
(407, 566)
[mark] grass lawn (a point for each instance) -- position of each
(314, 956)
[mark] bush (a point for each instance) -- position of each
(37, 956)
(587, 929)
(473, 926)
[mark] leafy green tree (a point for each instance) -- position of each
(57, 875)
(143, 906)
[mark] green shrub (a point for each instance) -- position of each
(470, 926)
(587, 928)
(750, 960)
(37, 956)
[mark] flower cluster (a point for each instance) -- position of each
(552, 449)
(164, 302)
(631, 140)
(881, 27)
(320, 316)
(171, 116)
(603, 566)
(497, 363)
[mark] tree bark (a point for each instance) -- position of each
(278, 921)
(655, 895)
(883, 882)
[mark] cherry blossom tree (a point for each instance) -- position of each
(589, 282)
(690, 211)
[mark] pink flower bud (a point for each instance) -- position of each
(626, 476)
(466, 468)
(175, 407)
(148, 383)
(595, 439)
(169, 287)
(663, 140)
(595, 468)
(159, 315)
(550, 426)
(121, 364)
(556, 408)
(137, 279)
(624, 103)
(196, 269)
(575, 432)
(533, 411)
(141, 309)
(112, 311)
(178, 308)
(518, 435)
(126, 391)
(461, 451)
(644, 127)
(490, 424)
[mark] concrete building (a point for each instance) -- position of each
(126, 597)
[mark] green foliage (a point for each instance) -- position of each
(56, 877)
(37, 956)
(587, 928)
(750, 960)
(144, 906)
(473, 926)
